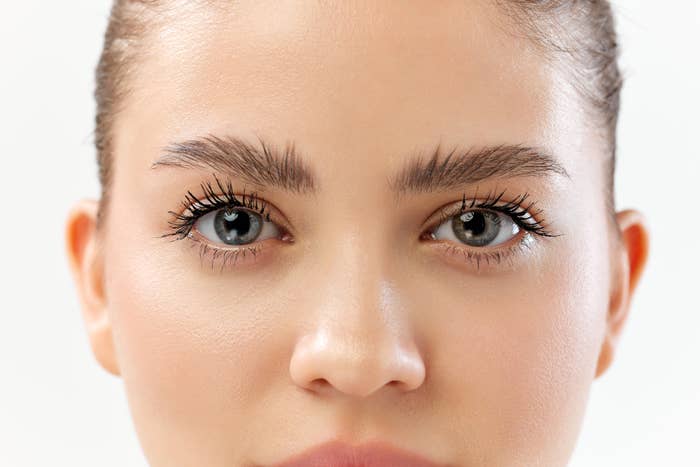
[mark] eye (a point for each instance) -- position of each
(478, 228)
(235, 226)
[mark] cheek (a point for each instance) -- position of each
(521, 354)
(190, 347)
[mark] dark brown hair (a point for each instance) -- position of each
(578, 34)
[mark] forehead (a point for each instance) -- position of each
(348, 81)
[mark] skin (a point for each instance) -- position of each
(358, 330)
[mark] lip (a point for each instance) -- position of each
(340, 454)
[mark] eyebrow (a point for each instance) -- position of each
(263, 166)
(268, 167)
(474, 165)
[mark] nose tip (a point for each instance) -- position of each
(322, 363)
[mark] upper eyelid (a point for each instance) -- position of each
(270, 213)
(449, 210)
(491, 203)
(212, 200)
(184, 221)
(209, 206)
(215, 200)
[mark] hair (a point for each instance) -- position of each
(579, 34)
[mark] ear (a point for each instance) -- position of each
(629, 259)
(85, 259)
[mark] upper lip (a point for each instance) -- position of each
(340, 454)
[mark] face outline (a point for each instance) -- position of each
(328, 336)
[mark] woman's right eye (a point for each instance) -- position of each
(235, 226)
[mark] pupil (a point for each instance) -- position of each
(237, 226)
(474, 224)
(476, 228)
(234, 221)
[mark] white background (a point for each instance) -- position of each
(59, 408)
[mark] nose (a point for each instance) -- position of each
(325, 361)
(360, 341)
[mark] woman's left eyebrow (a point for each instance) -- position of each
(461, 168)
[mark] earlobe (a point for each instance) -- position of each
(629, 260)
(85, 260)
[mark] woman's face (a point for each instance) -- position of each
(340, 316)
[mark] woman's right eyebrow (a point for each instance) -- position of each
(267, 167)
(264, 166)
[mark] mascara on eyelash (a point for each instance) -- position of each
(520, 215)
(182, 223)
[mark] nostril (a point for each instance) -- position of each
(319, 384)
(397, 384)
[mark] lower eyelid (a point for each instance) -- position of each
(496, 258)
(223, 258)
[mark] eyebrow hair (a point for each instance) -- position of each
(473, 166)
(266, 166)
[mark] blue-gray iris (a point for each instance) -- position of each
(236, 226)
(476, 228)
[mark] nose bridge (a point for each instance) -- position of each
(356, 265)
(360, 338)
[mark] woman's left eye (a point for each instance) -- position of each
(235, 226)
(478, 228)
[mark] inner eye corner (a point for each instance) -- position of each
(427, 234)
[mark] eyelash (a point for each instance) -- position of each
(520, 215)
(182, 224)
(523, 217)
